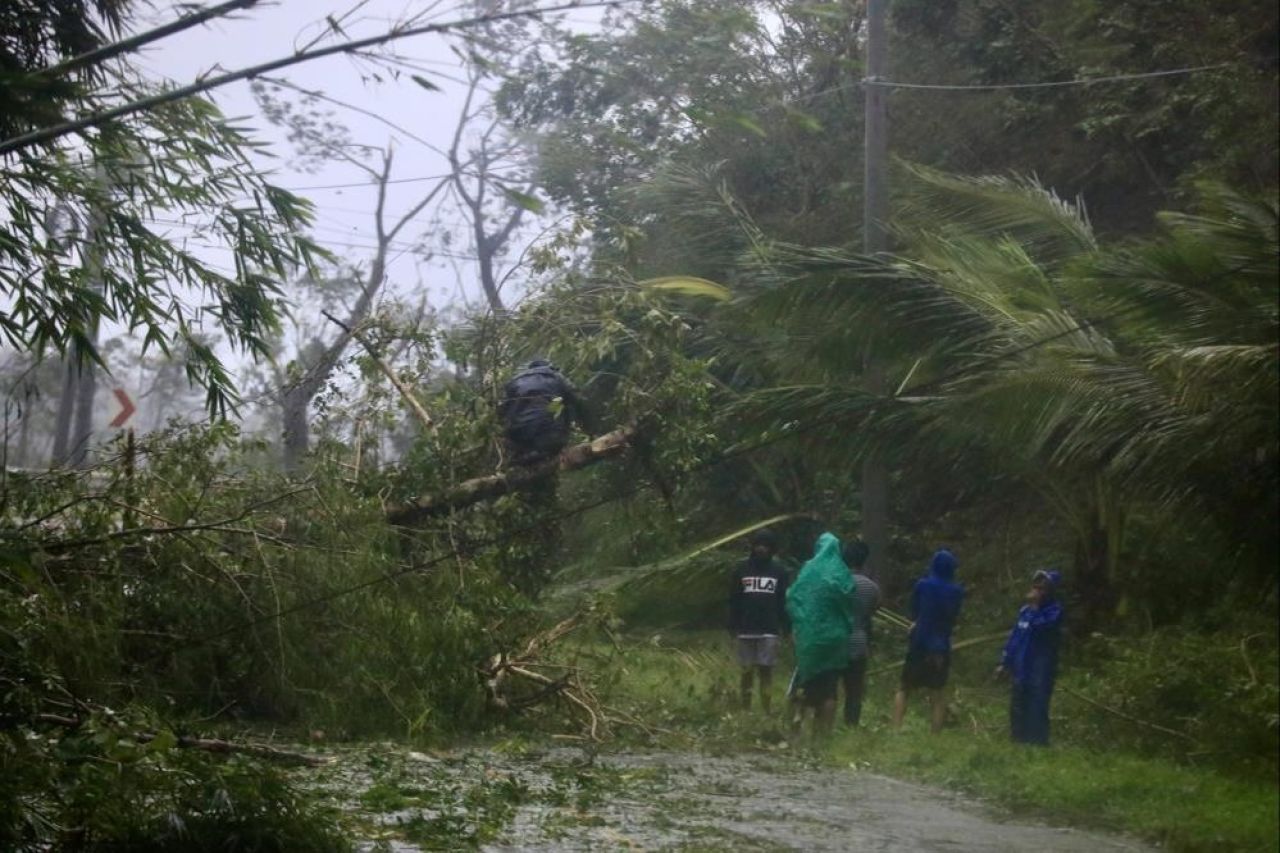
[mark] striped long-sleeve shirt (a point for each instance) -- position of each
(866, 600)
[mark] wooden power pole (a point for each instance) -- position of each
(875, 239)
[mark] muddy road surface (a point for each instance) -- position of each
(567, 800)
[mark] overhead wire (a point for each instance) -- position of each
(1048, 84)
(987, 87)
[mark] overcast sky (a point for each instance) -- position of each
(343, 193)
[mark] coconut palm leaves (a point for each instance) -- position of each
(1120, 373)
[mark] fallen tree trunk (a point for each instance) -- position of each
(483, 488)
(257, 750)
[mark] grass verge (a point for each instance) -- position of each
(686, 682)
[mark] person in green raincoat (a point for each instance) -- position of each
(820, 606)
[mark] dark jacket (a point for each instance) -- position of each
(758, 598)
(1031, 654)
(935, 604)
(526, 405)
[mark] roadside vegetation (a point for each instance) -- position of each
(1074, 370)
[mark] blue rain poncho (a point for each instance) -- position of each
(820, 605)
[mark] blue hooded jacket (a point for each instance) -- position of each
(1031, 654)
(935, 604)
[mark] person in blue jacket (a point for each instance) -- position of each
(1030, 660)
(935, 604)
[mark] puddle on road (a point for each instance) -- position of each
(565, 800)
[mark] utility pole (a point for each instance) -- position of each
(875, 240)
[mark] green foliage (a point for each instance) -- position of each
(182, 608)
(1016, 345)
(99, 786)
(183, 158)
(1218, 690)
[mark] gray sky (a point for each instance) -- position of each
(344, 213)
(343, 193)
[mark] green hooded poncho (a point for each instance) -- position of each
(820, 604)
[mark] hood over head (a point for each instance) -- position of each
(943, 565)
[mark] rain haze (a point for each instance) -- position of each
(682, 425)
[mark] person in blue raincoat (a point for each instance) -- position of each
(1030, 660)
(935, 606)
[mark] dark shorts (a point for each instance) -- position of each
(926, 669)
(821, 688)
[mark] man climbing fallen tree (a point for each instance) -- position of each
(538, 408)
(490, 486)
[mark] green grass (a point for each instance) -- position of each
(1180, 807)
(687, 683)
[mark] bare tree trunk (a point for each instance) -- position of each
(87, 378)
(295, 399)
(488, 242)
(66, 412)
(86, 392)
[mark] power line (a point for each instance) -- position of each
(1050, 84)
(978, 87)
(371, 183)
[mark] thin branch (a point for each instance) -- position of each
(328, 28)
(257, 750)
(47, 134)
(315, 93)
(405, 391)
(108, 51)
(1122, 715)
(222, 525)
(53, 512)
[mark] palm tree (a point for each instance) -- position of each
(1110, 379)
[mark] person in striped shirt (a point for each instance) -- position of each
(866, 600)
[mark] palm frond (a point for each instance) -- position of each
(935, 203)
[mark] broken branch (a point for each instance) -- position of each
(493, 485)
(424, 417)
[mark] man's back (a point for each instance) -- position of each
(528, 396)
(866, 600)
(757, 598)
(935, 604)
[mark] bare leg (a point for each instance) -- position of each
(938, 699)
(744, 688)
(766, 688)
(899, 708)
